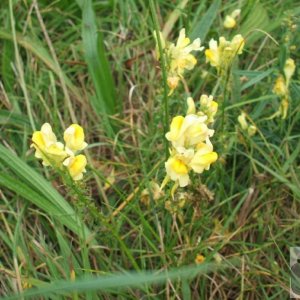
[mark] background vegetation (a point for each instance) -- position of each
(92, 62)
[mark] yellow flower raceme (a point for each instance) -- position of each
(281, 87)
(74, 138)
(220, 56)
(57, 154)
(76, 166)
(178, 56)
(191, 147)
(46, 146)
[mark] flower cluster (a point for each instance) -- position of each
(56, 154)
(190, 138)
(281, 87)
(178, 57)
(222, 55)
(230, 20)
(190, 135)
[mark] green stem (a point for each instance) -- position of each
(164, 73)
(224, 102)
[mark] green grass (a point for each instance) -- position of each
(92, 62)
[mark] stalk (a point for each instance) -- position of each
(164, 73)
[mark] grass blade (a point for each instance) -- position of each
(98, 66)
(120, 281)
(39, 186)
(202, 27)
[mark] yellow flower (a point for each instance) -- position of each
(203, 157)
(252, 130)
(76, 166)
(191, 106)
(230, 20)
(289, 70)
(280, 88)
(178, 171)
(242, 120)
(46, 146)
(283, 109)
(237, 44)
(172, 82)
(220, 56)
(178, 56)
(199, 259)
(213, 53)
(208, 107)
(182, 160)
(188, 131)
(74, 138)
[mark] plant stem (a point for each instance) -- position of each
(164, 73)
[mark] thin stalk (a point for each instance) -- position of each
(19, 66)
(224, 102)
(55, 59)
(164, 73)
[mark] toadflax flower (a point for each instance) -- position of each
(46, 146)
(188, 131)
(230, 20)
(203, 157)
(76, 166)
(191, 146)
(56, 154)
(221, 56)
(183, 160)
(74, 138)
(178, 56)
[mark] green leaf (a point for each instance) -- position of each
(98, 66)
(259, 77)
(120, 281)
(202, 27)
(32, 186)
(257, 23)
